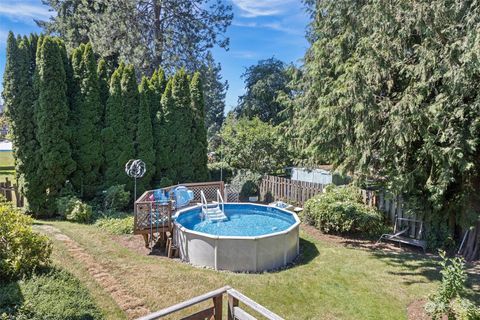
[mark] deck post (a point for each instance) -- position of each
(218, 306)
(232, 303)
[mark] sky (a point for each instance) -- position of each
(260, 29)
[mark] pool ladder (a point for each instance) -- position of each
(215, 212)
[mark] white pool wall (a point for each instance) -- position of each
(239, 253)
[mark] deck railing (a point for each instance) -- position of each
(233, 298)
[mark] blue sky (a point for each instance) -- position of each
(260, 29)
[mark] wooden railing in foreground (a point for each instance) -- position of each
(233, 297)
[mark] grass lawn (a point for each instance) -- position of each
(330, 281)
(7, 166)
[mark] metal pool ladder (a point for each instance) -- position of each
(216, 212)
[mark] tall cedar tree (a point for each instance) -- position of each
(199, 132)
(158, 83)
(103, 84)
(144, 139)
(116, 138)
(19, 98)
(87, 112)
(180, 129)
(130, 100)
(165, 127)
(51, 115)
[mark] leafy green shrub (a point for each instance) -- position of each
(116, 223)
(447, 301)
(165, 182)
(214, 171)
(21, 249)
(340, 210)
(53, 295)
(248, 183)
(73, 209)
(116, 198)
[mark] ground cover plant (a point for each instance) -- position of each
(49, 294)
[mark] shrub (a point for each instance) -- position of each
(214, 171)
(53, 295)
(21, 249)
(165, 182)
(73, 209)
(116, 198)
(116, 223)
(340, 210)
(247, 182)
(447, 301)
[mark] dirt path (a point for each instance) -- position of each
(131, 305)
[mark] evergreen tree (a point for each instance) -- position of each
(214, 92)
(199, 132)
(180, 131)
(165, 124)
(130, 100)
(87, 112)
(19, 98)
(103, 83)
(158, 82)
(116, 138)
(144, 142)
(51, 115)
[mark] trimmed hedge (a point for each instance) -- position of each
(340, 210)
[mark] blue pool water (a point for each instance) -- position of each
(243, 220)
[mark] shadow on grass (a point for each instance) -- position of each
(11, 297)
(308, 252)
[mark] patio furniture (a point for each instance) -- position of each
(407, 231)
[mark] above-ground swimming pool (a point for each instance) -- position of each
(253, 238)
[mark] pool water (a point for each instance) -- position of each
(243, 220)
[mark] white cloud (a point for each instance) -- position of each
(277, 26)
(25, 11)
(255, 8)
(244, 54)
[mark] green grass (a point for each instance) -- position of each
(330, 281)
(117, 223)
(7, 166)
(50, 294)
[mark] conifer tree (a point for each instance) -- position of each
(130, 100)
(116, 139)
(51, 115)
(103, 83)
(165, 126)
(144, 141)
(87, 110)
(180, 128)
(199, 132)
(19, 100)
(158, 82)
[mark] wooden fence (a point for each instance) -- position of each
(296, 192)
(11, 193)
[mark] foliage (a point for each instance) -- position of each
(86, 115)
(247, 182)
(340, 210)
(116, 136)
(160, 128)
(214, 92)
(21, 249)
(115, 198)
(147, 33)
(116, 222)
(51, 116)
(214, 171)
(19, 96)
(74, 209)
(392, 91)
(199, 132)
(53, 294)
(264, 82)
(447, 301)
(144, 139)
(252, 145)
